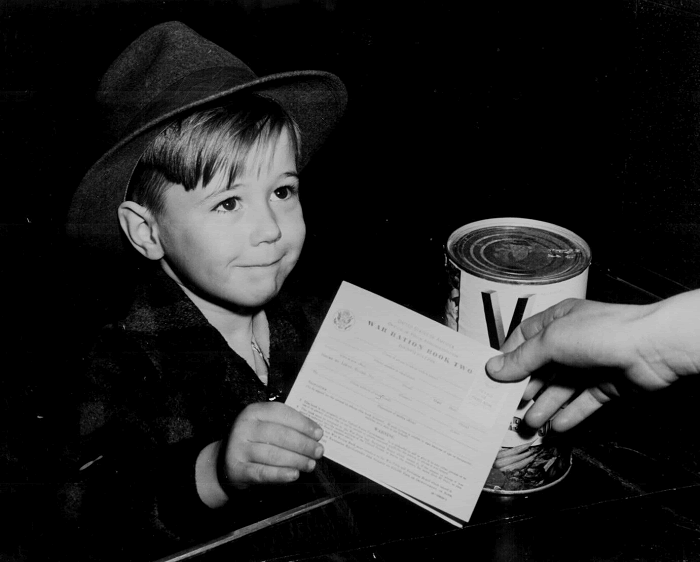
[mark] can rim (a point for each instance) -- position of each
(570, 236)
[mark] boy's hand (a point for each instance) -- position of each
(271, 442)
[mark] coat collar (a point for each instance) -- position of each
(163, 317)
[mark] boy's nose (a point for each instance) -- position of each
(265, 226)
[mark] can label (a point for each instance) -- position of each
(489, 312)
(501, 271)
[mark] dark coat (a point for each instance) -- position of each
(160, 385)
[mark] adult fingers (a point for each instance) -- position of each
(521, 362)
(585, 404)
(541, 379)
(514, 340)
(534, 386)
(524, 351)
(536, 324)
(529, 347)
(548, 403)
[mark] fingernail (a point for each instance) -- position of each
(495, 364)
(318, 433)
(310, 465)
(318, 452)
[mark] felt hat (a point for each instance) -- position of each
(166, 72)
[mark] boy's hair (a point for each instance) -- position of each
(196, 147)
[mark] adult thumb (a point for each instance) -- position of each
(495, 365)
(517, 364)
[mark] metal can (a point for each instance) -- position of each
(500, 271)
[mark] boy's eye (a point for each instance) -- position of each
(285, 192)
(230, 204)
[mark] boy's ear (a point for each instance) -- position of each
(141, 228)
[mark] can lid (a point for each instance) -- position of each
(518, 251)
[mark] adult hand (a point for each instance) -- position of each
(270, 442)
(622, 346)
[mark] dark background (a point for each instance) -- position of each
(583, 114)
(580, 114)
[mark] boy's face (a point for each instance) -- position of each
(235, 245)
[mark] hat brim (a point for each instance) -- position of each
(315, 99)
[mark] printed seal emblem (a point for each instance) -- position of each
(343, 319)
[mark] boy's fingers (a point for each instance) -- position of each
(270, 455)
(276, 412)
(263, 474)
(286, 438)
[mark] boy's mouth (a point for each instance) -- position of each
(261, 265)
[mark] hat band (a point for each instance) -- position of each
(192, 90)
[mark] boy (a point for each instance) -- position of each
(177, 417)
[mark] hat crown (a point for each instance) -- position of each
(159, 58)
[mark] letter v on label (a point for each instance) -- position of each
(494, 319)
